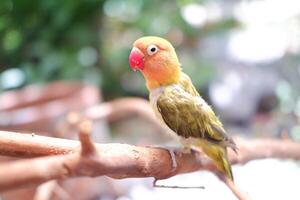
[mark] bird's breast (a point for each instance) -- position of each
(153, 97)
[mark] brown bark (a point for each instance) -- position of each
(114, 160)
(31, 145)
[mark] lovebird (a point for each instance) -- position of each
(177, 103)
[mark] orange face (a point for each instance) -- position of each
(156, 59)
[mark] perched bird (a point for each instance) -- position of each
(177, 103)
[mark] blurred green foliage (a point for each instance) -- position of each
(90, 40)
(43, 38)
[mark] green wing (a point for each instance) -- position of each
(190, 116)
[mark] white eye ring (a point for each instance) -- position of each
(152, 49)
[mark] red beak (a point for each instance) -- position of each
(136, 59)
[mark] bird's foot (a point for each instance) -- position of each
(175, 186)
(174, 167)
(173, 158)
(188, 150)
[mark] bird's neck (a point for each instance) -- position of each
(183, 81)
(163, 80)
(162, 75)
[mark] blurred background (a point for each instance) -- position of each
(58, 58)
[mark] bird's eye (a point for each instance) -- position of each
(152, 49)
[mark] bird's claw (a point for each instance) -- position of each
(173, 158)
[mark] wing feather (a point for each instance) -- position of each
(190, 116)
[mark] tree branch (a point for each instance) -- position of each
(68, 158)
(114, 160)
(31, 145)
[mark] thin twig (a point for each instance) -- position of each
(87, 145)
(175, 186)
(241, 195)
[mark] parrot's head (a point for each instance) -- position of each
(156, 58)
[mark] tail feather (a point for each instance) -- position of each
(219, 155)
(226, 167)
